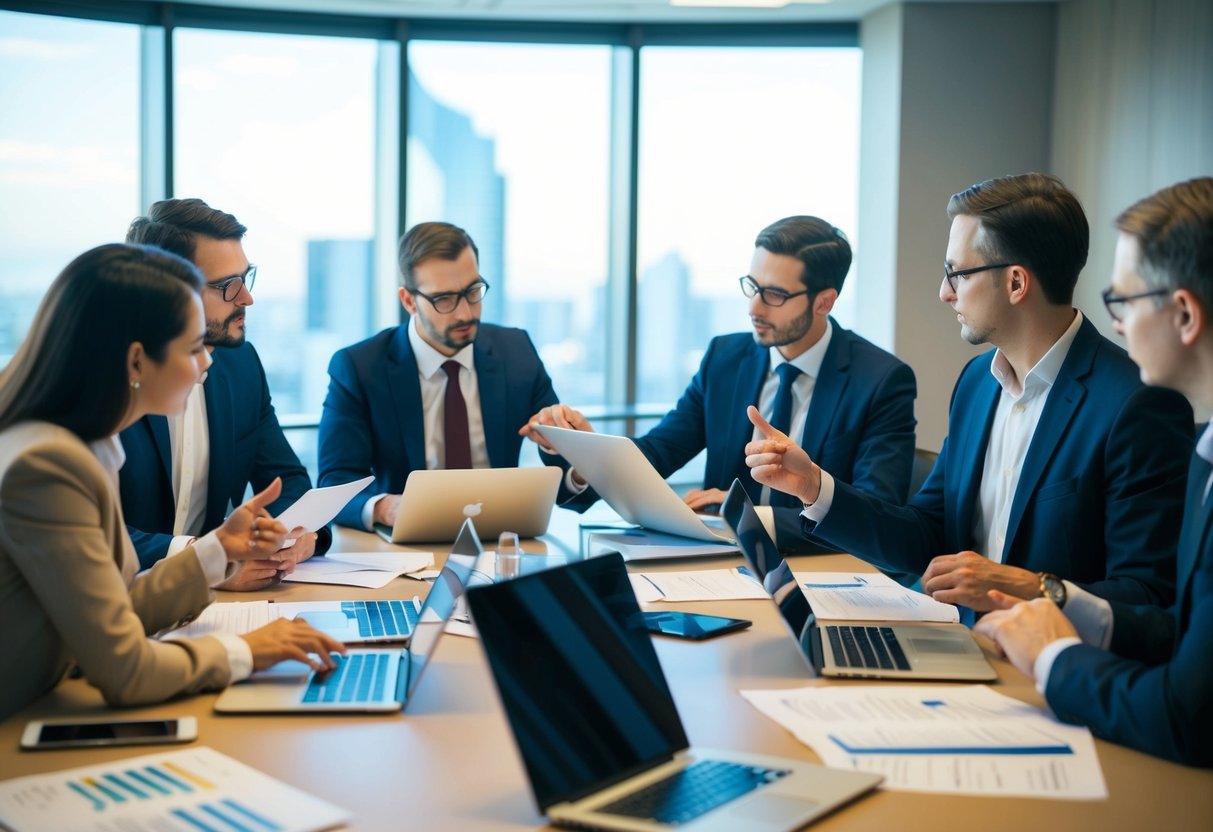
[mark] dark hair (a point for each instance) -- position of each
(821, 247)
(427, 240)
(1174, 230)
(175, 224)
(1031, 219)
(71, 368)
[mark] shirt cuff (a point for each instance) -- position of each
(178, 543)
(239, 655)
(1044, 662)
(572, 485)
(212, 559)
(368, 512)
(825, 498)
(1090, 615)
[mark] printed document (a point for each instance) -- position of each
(319, 506)
(870, 596)
(371, 570)
(737, 584)
(955, 739)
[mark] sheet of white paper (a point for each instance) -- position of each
(424, 574)
(319, 506)
(701, 585)
(870, 596)
(322, 571)
(645, 545)
(955, 739)
(195, 788)
(239, 617)
(402, 563)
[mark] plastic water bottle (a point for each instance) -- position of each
(509, 556)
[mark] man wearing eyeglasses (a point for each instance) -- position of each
(440, 391)
(1148, 683)
(183, 473)
(1062, 474)
(848, 400)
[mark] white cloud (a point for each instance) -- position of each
(23, 163)
(39, 50)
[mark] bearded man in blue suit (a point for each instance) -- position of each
(849, 400)
(1062, 474)
(1144, 676)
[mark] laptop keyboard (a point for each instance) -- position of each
(689, 793)
(382, 618)
(360, 677)
(868, 647)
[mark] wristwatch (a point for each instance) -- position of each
(1053, 588)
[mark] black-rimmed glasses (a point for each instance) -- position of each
(449, 301)
(1115, 303)
(771, 297)
(951, 276)
(230, 288)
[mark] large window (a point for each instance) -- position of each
(69, 152)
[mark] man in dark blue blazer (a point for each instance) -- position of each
(850, 401)
(1061, 472)
(183, 474)
(1151, 685)
(390, 400)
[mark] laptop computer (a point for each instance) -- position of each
(365, 622)
(884, 650)
(435, 503)
(624, 477)
(596, 726)
(364, 680)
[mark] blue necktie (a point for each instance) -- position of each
(781, 411)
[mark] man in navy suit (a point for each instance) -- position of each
(441, 391)
(183, 473)
(1144, 676)
(1061, 473)
(851, 402)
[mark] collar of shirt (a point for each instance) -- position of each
(1041, 376)
(429, 360)
(808, 362)
(1204, 445)
(109, 453)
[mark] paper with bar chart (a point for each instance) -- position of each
(192, 790)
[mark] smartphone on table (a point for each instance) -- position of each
(48, 734)
(692, 625)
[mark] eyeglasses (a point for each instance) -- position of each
(1116, 303)
(771, 297)
(231, 286)
(449, 301)
(951, 276)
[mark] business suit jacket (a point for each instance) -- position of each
(372, 421)
(247, 446)
(1100, 494)
(68, 590)
(1154, 690)
(860, 423)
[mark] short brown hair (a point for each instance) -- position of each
(428, 240)
(1174, 230)
(175, 224)
(1034, 220)
(821, 247)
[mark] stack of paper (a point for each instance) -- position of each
(870, 596)
(736, 584)
(960, 740)
(642, 544)
(194, 789)
(366, 569)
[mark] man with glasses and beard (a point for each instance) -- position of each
(184, 473)
(1062, 474)
(848, 400)
(442, 390)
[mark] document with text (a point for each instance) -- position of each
(870, 596)
(737, 584)
(958, 740)
(371, 570)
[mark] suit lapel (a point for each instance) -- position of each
(157, 426)
(828, 392)
(1196, 528)
(405, 389)
(221, 434)
(490, 377)
(750, 376)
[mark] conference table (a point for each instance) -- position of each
(449, 762)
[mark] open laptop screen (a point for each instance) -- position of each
(578, 677)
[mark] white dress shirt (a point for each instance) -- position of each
(190, 444)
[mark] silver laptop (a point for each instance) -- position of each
(597, 728)
(435, 503)
(364, 680)
(884, 650)
(367, 622)
(624, 477)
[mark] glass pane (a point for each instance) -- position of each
(732, 139)
(510, 141)
(279, 130)
(63, 189)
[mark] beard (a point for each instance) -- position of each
(218, 334)
(789, 333)
(447, 338)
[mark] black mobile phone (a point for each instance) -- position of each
(692, 625)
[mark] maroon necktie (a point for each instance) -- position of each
(455, 420)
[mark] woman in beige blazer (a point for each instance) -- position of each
(118, 336)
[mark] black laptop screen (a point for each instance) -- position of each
(578, 677)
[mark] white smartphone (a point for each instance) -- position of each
(57, 734)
